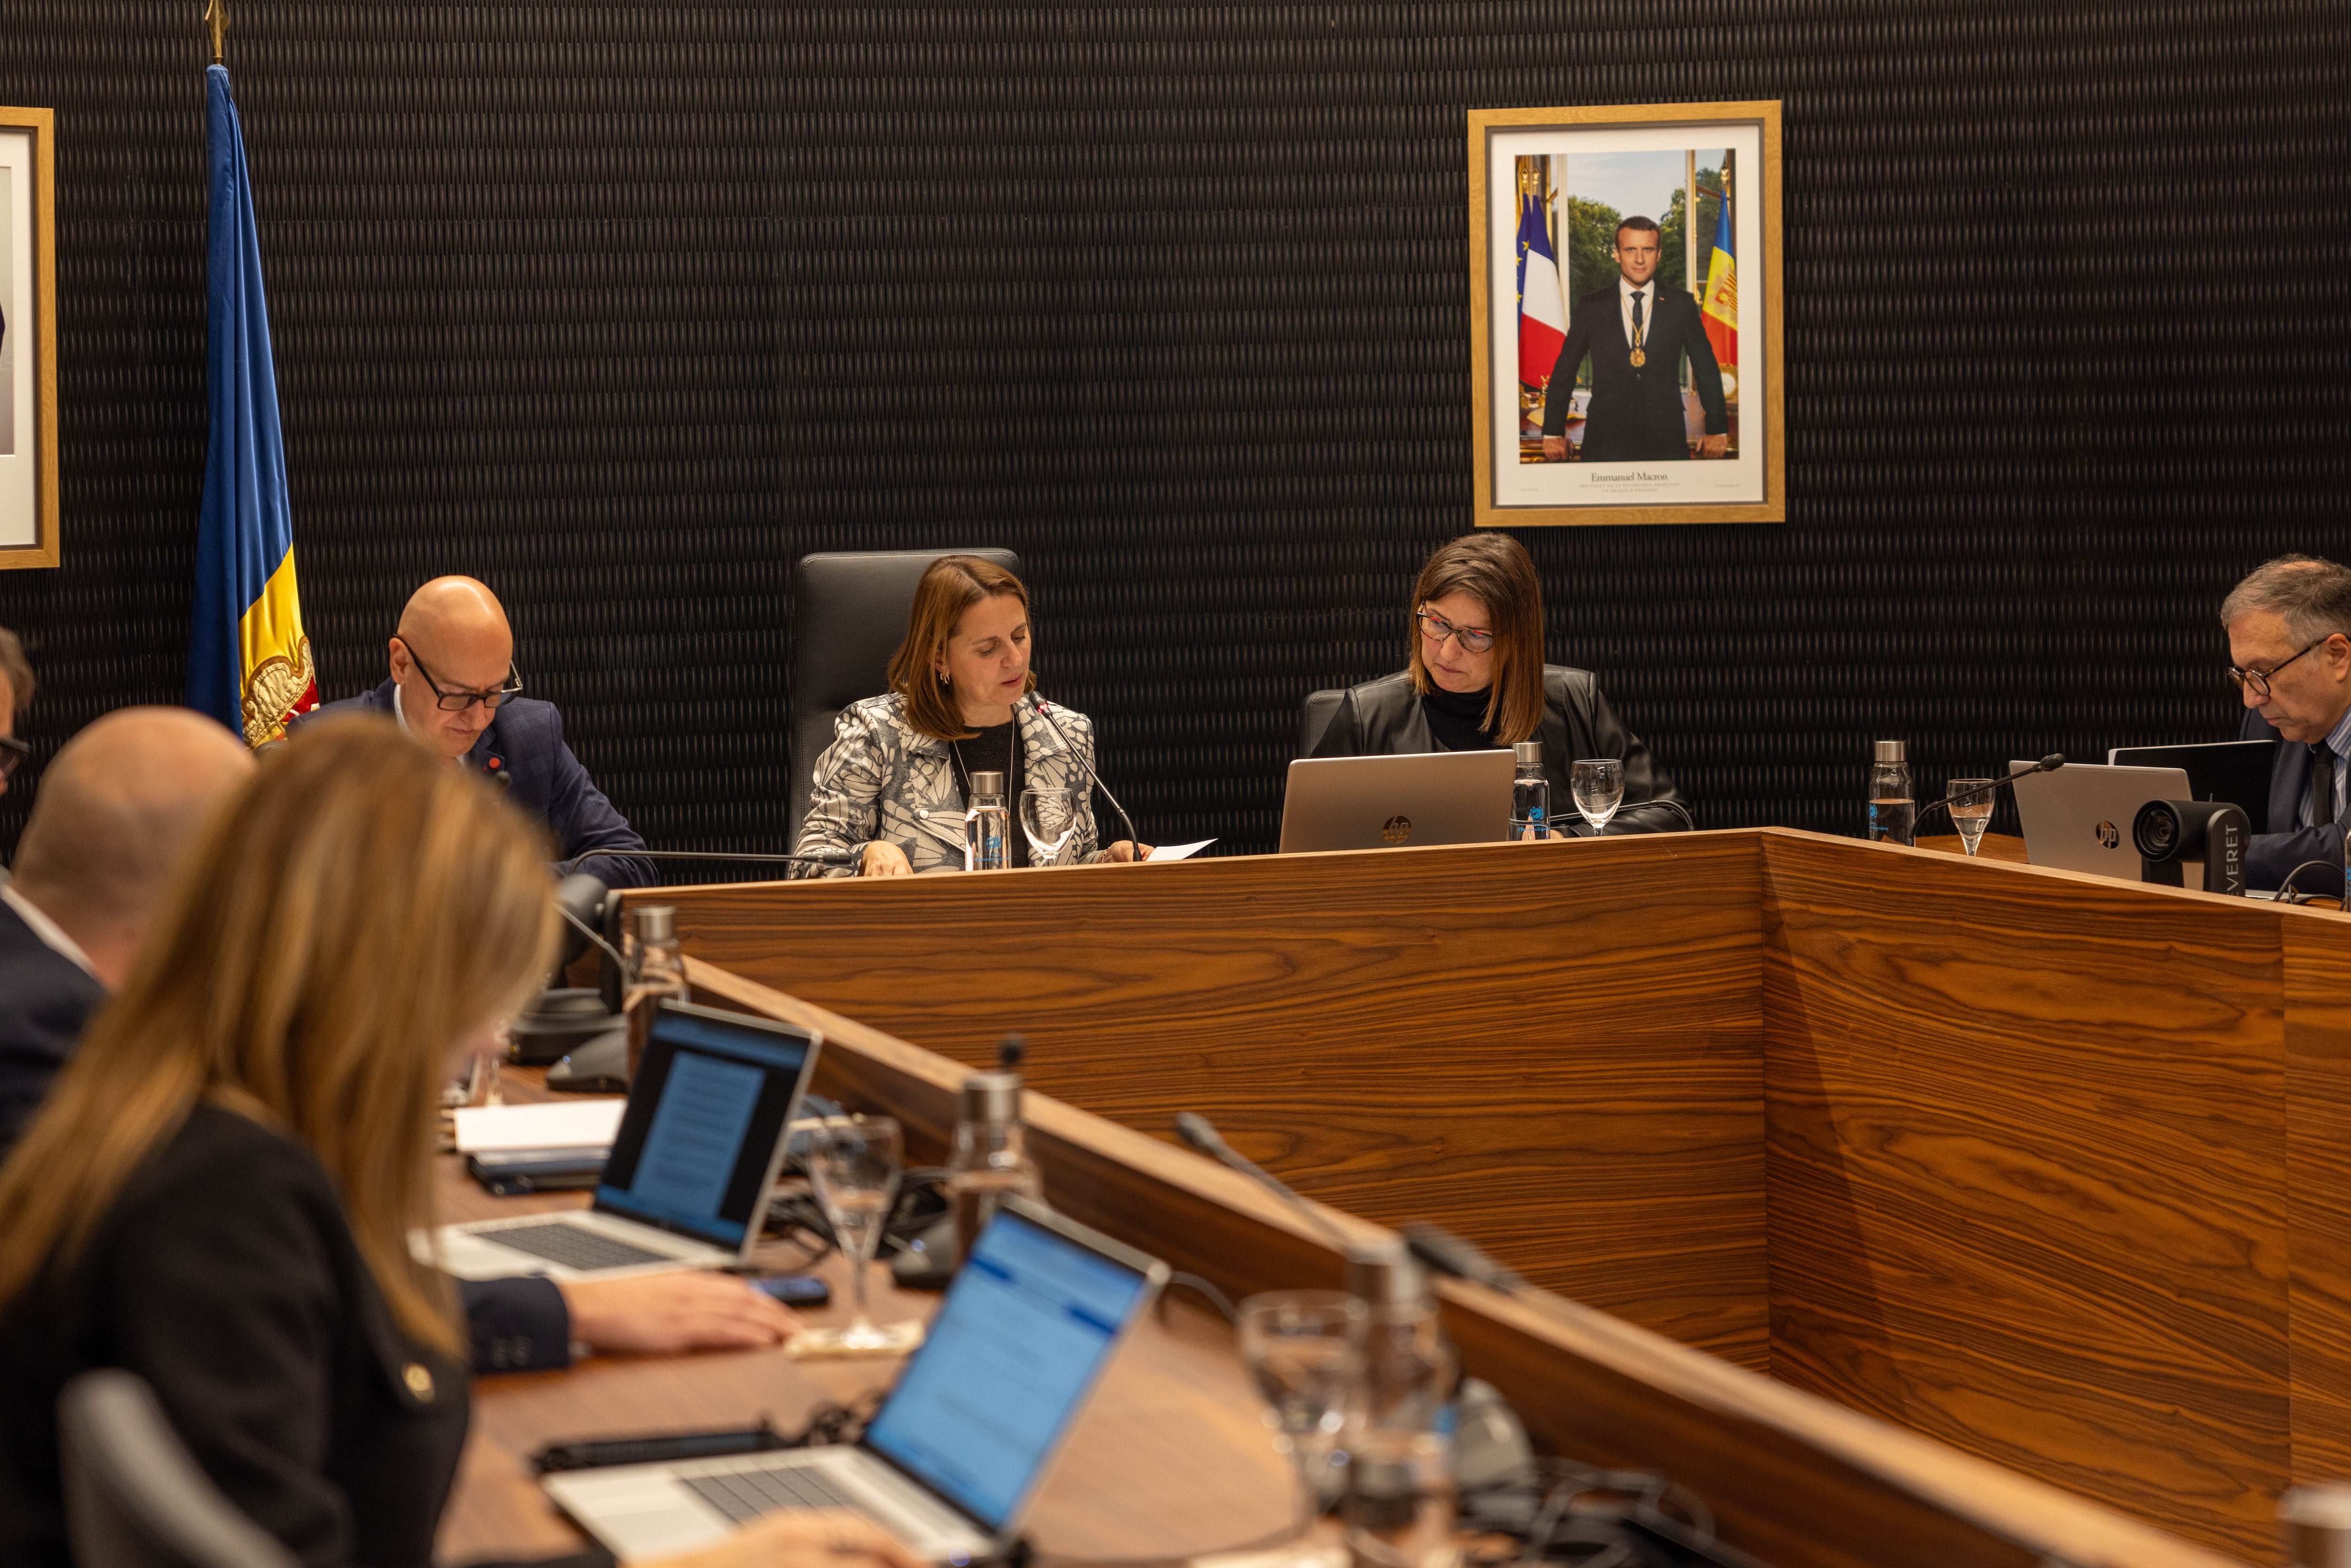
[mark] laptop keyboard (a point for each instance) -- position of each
(573, 1246)
(744, 1495)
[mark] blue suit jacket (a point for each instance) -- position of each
(523, 749)
(2271, 856)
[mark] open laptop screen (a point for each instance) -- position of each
(705, 1113)
(1023, 1333)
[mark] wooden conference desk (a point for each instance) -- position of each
(1172, 1456)
(2048, 1167)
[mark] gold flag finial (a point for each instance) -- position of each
(216, 21)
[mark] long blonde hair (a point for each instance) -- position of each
(348, 917)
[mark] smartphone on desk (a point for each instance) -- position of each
(796, 1290)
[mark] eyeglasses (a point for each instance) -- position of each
(2258, 680)
(458, 702)
(13, 753)
(1437, 628)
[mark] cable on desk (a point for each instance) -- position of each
(1199, 1287)
(2290, 894)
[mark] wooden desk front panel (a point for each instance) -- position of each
(1553, 1049)
(2028, 1172)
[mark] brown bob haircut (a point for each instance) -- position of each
(953, 585)
(1496, 571)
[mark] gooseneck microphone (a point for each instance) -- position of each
(2049, 764)
(1044, 711)
(1200, 1134)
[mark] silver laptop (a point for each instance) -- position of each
(950, 1461)
(2079, 817)
(687, 1184)
(1372, 802)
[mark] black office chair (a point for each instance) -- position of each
(133, 1497)
(848, 616)
(1315, 717)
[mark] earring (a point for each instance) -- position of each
(942, 676)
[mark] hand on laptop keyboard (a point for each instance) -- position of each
(830, 1539)
(662, 1314)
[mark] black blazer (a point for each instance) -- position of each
(2269, 856)
(1383, 718)
(523, 749)
(1636, 411)
(44, 999)
(227, 1278)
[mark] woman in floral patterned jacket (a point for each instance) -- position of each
(889, 792)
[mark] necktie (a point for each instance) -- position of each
(2322, 786)
(1636, 318)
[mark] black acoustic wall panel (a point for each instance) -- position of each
(625, 307)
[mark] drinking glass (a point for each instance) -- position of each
(1971, 802)
(1050, 818)
(1305, 1349)
(854, 1168)
(1598, 786)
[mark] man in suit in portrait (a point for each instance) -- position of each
(1638, 334)
(453, 686)
(2289, 625)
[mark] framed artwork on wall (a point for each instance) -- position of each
(28, 338)
(1624, 314)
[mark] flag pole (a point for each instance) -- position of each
(216, 23)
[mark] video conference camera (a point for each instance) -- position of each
(2192, 844)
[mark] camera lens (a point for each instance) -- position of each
(2156, 832)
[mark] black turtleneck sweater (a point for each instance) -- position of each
(1458, 719)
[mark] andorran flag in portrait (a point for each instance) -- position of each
(248, 661)
(1721, 311)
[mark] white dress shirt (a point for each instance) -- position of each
(1648, 292)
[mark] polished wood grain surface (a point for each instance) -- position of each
(2028, 1172)
(1555, 1048)
(2317, 963)
(2005, 847)
(1790, 1475)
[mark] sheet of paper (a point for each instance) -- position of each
(564, 1124)
(1179, 852)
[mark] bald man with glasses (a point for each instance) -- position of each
(2289, 625)
(454, 687)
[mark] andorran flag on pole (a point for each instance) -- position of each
(1543, 324)
(248, 661)
(1721, 311)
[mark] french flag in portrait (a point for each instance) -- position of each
(1542, 323)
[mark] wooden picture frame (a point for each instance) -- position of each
(1555, 176)
(28, 338)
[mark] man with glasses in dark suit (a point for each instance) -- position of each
(454, 687)
(2289, 627)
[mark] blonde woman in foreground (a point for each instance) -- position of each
(218, 1193)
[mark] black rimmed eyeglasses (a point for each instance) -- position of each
(458, 702)
(13, 753)
(2257, 681)
(1437, 628)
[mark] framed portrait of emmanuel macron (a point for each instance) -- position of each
(28, 338)
(1624, 314)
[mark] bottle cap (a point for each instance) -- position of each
(1528, 752)
(991, 1097)
(1892, 751)
(988, 783)
(656, 922)
(1386, 1276)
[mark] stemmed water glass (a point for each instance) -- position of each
(1050, 818)
(854, 1167)
(1598, 785)
(1971, 803)
(1305, 1349)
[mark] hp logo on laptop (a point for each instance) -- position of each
(1396, 828)
(2110, 835)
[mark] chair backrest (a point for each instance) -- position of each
(134, 1498)
(848, 616)
(1314, 717)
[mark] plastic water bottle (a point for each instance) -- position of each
(986, 825)
(1893, 813)
(991, 1150)
(1531, 794)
